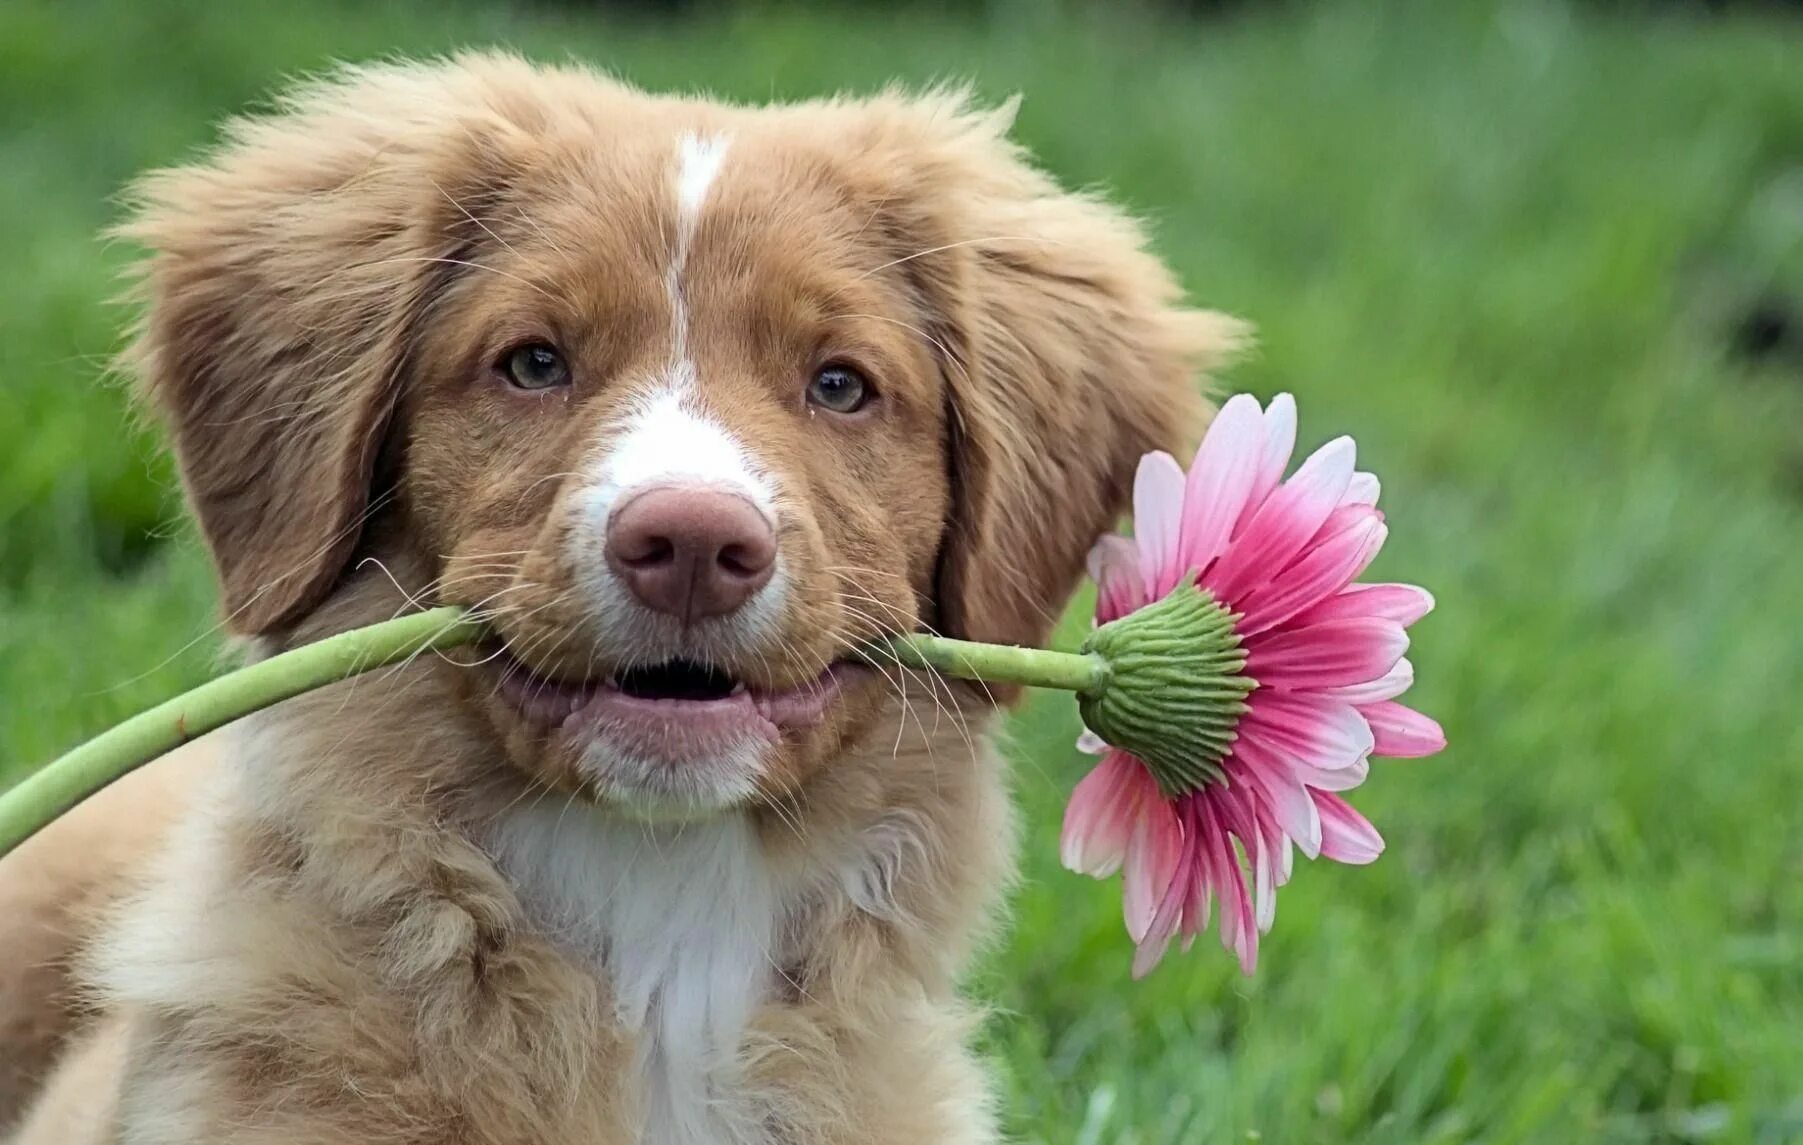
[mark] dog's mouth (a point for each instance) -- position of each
(678, 680)
(678, 699)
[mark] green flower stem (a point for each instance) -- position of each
(995, 663)
(35, 802)
(52, 790)
(40, 798)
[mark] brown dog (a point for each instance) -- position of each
(690, 400)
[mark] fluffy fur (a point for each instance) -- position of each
(398, 910)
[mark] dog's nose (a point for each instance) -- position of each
(691, 552)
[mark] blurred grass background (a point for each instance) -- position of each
(1544, 260)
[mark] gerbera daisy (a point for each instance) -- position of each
(1307, 666)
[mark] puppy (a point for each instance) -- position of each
(690, 401)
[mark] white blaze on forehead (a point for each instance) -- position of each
(698, 160)
(667, 438)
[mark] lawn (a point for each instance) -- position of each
(1504, 246)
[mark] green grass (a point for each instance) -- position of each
(1498, 244)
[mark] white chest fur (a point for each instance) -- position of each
(681, 918)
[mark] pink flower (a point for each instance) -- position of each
(1323, 660)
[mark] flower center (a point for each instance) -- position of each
(1175, 691)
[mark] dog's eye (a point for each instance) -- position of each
(839, 389)
(536, 366)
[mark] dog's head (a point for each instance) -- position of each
(690, 399)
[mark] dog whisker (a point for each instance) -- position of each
(464, 211)
(455, 262)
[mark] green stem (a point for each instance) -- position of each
(995, 663)
(52, 790)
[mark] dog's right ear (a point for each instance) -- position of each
(1067, 350)
(286, 274)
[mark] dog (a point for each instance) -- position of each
(689, 401)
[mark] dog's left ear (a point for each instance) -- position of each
(1068, 354)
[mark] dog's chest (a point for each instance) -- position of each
(680, 920)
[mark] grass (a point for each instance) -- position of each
(1501, 244)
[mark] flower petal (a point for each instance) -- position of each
(1339, 779)
(1151, 946)
(1311, 728)
(1239, 925)
(1401, 731)
(1260, 848)
(1264, 883)
(1363, 489)
(1317, 574)
(1198, 901)
(1089, 743)
(1327, 655)
(1114, 566)
(1150, 951)
(1285, 522)
(1386, 687)
(1099, 820)
(1403, 603)
(1280, 443)
(1158, 521)
(1220, 479)
(1154, 852)
(1346, 836)
(1277, 787)
(1343, 517)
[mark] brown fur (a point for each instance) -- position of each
(56, 889)
(330, 950)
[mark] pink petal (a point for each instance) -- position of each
(1339, 779)
(1363, 489)
(1344, 516)
(1280, 442)
(1220, 480)
(1198, 902)
(1089, 743)
(1319, 573)
(1151, 946)
(1099, 820)
(1284, 523)
(1154, 852)
(1114, 566)
(1147, 955)
(1386, 687)
(1346, 836)
(1264, 884)
(1327, 655)
(1285, 848)
(1158, 521)
(1259, 846)
(1150, 951)
(1319, 730)
(1403, 603)
(1401, 731)
(1277, 787)
(1239, 926)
